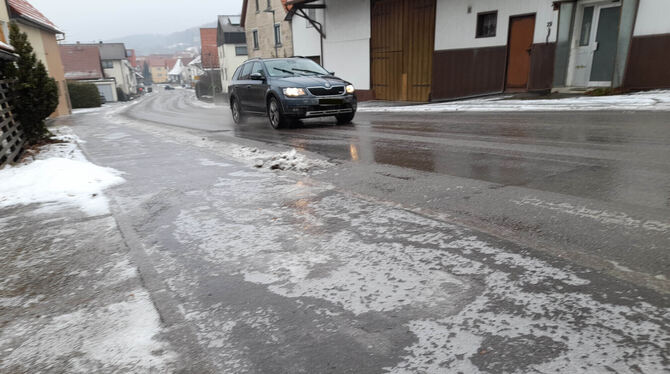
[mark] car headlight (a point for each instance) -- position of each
(350, 88)
(293, 92)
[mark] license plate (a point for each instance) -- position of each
(331, 101)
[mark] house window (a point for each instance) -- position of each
(269, 5)
(587, 20)
(486, 24)
(311, 13)
(107, 64)
(277, 34)
(258, 8)
(241, 50)
(255, 38)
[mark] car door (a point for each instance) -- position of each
(243, 85)
(258, 88)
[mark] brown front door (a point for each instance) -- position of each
(402, 44)
(521, 30)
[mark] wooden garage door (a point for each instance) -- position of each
(402, 43)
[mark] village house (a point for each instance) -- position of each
(210, 56)
(193, 71)
(422, 50)
(113, 60)
(232, 47)
(82, 64)
(115, 65)
(307, 26)
(43, 36)
(269, 34)
(159, 66)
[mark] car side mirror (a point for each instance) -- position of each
(331, 73)
(257, 77)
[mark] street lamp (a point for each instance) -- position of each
(274, 32)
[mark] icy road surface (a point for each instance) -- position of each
(256, 270)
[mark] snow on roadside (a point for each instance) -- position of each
(658, 100)
(289, 160)
(58, 176)
(86, 110)
(194, 101)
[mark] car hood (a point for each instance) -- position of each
(310, 81)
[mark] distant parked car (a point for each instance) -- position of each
(103, 100)
(167, 88)
(286, 89)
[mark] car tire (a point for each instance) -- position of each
(236, 110)
(343, 119)
(275, 115)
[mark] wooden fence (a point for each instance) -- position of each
(11, 135)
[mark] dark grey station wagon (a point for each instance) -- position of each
(287, 89)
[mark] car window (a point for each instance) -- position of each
(258, 68)
(294, 67)
(246, 71)
(236, 76)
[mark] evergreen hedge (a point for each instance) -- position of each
(84, 95)
(35, 94)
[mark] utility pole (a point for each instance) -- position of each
(211, 75)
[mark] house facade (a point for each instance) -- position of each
(43, 36)
(82, 64)
(159, 67)
(232, 49)
(115, 64)
(269, 34)
(423, 50)
(307, 41)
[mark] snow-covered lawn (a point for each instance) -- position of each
(59, 175)
(651, 100)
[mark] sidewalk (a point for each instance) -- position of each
(70, 298)
(648, 101)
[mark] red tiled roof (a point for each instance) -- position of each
(22, 8)
(210, 54)
(81, 61)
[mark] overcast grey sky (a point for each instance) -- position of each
(94, 20)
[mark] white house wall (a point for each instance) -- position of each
(229, 62)
(646, 63)
(306, 40)
(455, 28)
(652, 18)
(346, 49)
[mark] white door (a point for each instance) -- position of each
(585, 44)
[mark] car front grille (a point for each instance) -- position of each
(323, 91)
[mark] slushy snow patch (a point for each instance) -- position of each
(59, 175)
(651, 100)
(58, 181)
(289, 160)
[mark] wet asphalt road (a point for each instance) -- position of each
(464, 243)
(592, 186)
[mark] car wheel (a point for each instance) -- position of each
(343, 119)
(236, 109)
(275, 115)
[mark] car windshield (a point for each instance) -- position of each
(294, 67)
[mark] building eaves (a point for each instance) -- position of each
(22, 10)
